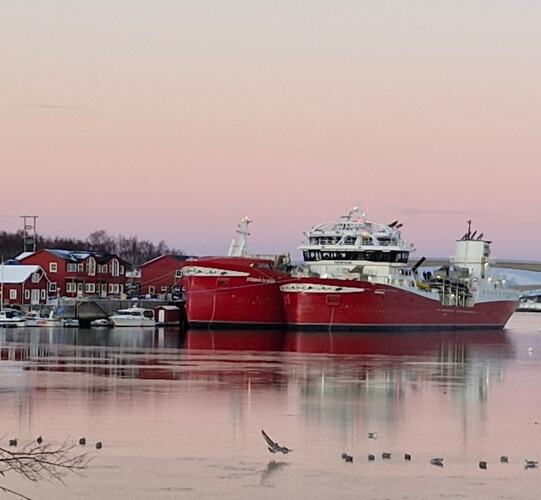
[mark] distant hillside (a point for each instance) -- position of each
(130, 248)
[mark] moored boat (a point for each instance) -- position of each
(234, 291)
(133, 316)
(356, 277)
(11, 318)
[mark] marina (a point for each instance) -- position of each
(463, 396)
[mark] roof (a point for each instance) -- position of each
(168, 308)
(74, 255)
(180, 258)
(16, 274)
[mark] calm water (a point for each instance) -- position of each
(180, 415)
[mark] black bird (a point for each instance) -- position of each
(82, 441)
(482, 465)
(273, 446)
(504, 459)
(407, 456)
(99, 445)
(39, 440)
(437, 461)
(530, 464)
(371, 458)
(372, 435)
(347, 458)
(385, 455)
(13, 442)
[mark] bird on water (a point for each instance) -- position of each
(372, 435)
(82, 441)
(371, 458)
(437, 461)
(39, 440)
(385, 455)
(13, 442)
(347, 458)
(273, 446)
(482, 465)
(530, 464)
(99, 445)
(504, 459)
(407, 457)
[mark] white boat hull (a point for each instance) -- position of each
(12, 323)
(124, 321)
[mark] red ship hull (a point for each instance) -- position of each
(232, 301)
(379, 307)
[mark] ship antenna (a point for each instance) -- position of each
(238, 245)
(469, 229)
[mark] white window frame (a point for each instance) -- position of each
(90, 288)
(115, 267)
(72, 268)
(27, 294)
(121, 270)
(151, 289)
(43, 294)
(53, 267)
(52, 286)
(91, 266)
(36, 277)
(80, 268)
(71, 287)
(12, 294)
(164, 288)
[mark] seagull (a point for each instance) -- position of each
(13, 442)
(99, 445)
(437, 461)
(82, 441)
(482, 465)
(273, 446)
(504, 459)
(372, 435)
(407, 456)
(39, 440)
(385, 455)
(530, 464)
(347, 458)
(371, 458)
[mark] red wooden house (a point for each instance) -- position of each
(162, 275)
(23, 285)
(80, 273)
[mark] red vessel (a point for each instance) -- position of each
(357, 278)
(234, 291)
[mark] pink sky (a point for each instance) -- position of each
(171, 120)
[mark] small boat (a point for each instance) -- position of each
(11, 318)
(70, 323)
(101, 323)
(133, 316)
(35, 318)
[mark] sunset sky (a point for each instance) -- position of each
(173, 119)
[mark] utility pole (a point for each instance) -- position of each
(30, 235)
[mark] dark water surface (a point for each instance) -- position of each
(180, 416)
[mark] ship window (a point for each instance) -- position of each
(266, 266)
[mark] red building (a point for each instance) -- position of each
(80, 273)
(23, 285)
(162, 275)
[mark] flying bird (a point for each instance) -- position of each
(372, 435)
(437, 461)
(530, 464)
(504, 459)
(273, 446)
(347, 458)
(385, 455)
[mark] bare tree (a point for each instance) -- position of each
(38, 462)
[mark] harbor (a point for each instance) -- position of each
(463, 396)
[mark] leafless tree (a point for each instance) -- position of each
(38, 462)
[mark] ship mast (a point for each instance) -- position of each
(238, 245)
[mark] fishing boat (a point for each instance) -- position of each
(237, 290)
(356, 276)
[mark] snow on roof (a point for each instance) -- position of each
(168, 308)
(16, 274)
(23, 255)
